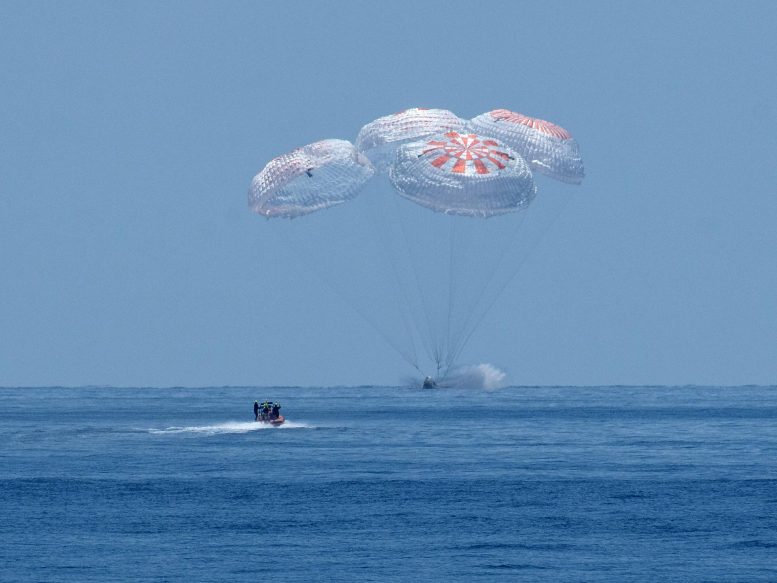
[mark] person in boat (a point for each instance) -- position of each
(256, 410)
(265, 410)
(429, 383)
(276, 411)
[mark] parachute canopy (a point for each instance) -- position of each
(380, 139)
(311, 178)
(463, 174)
(547, 148)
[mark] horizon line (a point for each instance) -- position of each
(381, 386)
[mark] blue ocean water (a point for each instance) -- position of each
(389, 484)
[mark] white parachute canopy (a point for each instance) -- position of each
(463, 174)
(548, 148)
(310, 178)
(380, 139)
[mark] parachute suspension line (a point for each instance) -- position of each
(471, 307)
(451, 295)
(534, 243)
(433, 354)
(351, 304)
(403, 303)
(419, 315)
(459, 243)
(432, 299)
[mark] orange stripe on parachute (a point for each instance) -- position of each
(496, 162)
(440, 161)
(540, 125)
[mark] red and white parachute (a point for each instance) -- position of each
(463, 174)
(548, 148)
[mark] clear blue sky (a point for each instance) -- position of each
(129, 133)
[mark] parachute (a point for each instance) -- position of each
(311, 178)
(380, 139)
(443, 243)
(463, 175)
(547, 148)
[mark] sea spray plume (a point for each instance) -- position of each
(485, 377)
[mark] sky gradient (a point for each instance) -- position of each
(129, 133)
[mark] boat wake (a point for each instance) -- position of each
(228, 427)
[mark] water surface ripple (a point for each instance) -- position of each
(389, 484)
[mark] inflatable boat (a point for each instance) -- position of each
(276, 422)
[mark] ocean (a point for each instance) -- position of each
(389, 484)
